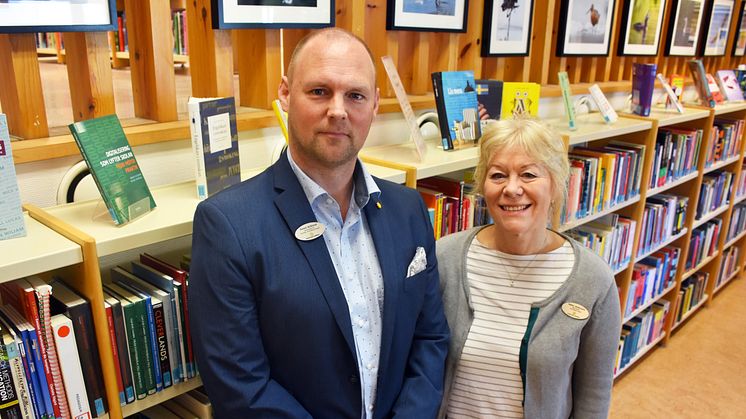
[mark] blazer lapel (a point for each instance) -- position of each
(293, 206)
(380, 230)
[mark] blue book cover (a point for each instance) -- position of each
(33, 348)
(457, 106)
(11, 213)
(215, 144)
(643, 83)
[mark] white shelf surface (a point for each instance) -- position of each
(591, 127)
(41, 250)
(435, 162)
(669, 185)
(668, 117)
(727, 107)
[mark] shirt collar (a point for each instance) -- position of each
(364, 186)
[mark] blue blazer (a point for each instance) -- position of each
(270, 326)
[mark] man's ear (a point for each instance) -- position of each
(283, 93)
(378, 99)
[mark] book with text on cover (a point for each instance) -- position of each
(114, 168)
(11, 213)
(456, 102)
(215, 144)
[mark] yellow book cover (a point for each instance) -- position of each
(520, 99)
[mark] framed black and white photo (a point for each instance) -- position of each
(29, 16)
(427, 15)
(684, 27)
(507, 27)
(642, 21)
(239, 14)
(739, 43)
(585, 27)
(717, 29)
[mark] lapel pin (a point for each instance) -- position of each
(378, 204)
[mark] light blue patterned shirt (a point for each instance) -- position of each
(353, 253)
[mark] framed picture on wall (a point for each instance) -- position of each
(739, 42)
(240, 14)
(30, 16)
(507, 27)
(642, 21)
(585, 27)
(717, 29)
(684, 27)
(427, 15)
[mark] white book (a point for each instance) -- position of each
(11, 214)
(72, 372)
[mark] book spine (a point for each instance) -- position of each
(65, 342)
(200, 177)
(124, 359)
(134, 343)
(22, 384)
(174, 338)
(153, 345)
(9, 404)
(144, 347)
(39, 390)
(445, 129)
(115, 353)
(161, 339)
(89, 357)
(190, 366)
(564, 83)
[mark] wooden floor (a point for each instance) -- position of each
(700, 374)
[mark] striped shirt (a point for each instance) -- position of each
(487, 381)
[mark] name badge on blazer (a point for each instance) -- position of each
(309, 231)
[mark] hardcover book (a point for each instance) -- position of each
(215, 144)
(490, 98)
(712, 84)
(700, 82)
(520, 99)
(729, 85)
(456, 102)
(114, 167)
(11, 213)
(643, 82)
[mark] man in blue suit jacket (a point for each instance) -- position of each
(314, 286)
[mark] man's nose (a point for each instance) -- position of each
(337, 107)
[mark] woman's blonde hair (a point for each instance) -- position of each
(539, 142)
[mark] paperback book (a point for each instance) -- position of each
(712, 84)
(11, 213)
(520, 99)
(490, 98)
(215, 144)
(456, 102)
(114, 167)
(700, 82)
(729, 85)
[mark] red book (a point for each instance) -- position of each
(114, 349)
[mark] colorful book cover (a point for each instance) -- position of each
(643, 83)
(564, 83)
(114, 167)
(700, 82)
(520, 99)
(456, 102)
(671, 97)
(677, 85)
(215, 144)
(490, 97)
(741, 77)
(729, 85)
(712, 84)
(11, 213)
(72, 371)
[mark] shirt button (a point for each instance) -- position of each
(370, 407)
(370, 366)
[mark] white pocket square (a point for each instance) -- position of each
(418, 263)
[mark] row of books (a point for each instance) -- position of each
(725, 141)
(651, 276)
(610, 237)
(676, 154)
(120, 36)
(714, 192)
(52, 367)
(737, 221)
(179, 27)
(148, 318)
(740, 188)
(728, 265)
(601, 177)
(703, 242)
(641, 331)
(711, 90)
(691, 292)
(664, 216)
(452, 205)
(49, 40)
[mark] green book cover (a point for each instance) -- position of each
(114, 168)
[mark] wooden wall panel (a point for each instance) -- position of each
(259, 66)
(89, 75)
(211, 52)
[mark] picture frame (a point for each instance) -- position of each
(253, 14)
(684, 27)
(716, 32)
(585, 27)
(427, 15)
(739, 37)
(28, 16)
(499, 26)
(642, 23)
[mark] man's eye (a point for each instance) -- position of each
(356, 96)
(317, 92)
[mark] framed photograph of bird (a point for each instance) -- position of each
(717, 29)
(427, 15)
(642, 21)
(506, 29)
(585, 27)
(739, 42)
(684, 27)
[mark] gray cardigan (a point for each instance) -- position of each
(567, 366)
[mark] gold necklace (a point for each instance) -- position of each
(518, 275)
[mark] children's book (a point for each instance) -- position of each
(729, 85)
(215, 144)
(677, 85)
(114, 167)
(456, 102)
(11, 213)
(520, 99)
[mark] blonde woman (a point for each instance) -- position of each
(534, 317)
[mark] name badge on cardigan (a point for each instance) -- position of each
(575, 310)
(309, 231)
